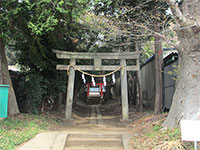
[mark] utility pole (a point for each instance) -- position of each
(158, 65)
(158, 75)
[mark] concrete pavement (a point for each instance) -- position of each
(46, 141)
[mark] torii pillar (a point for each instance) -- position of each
(124, 91)
(70, 91)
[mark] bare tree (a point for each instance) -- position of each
(186, 100)
(139, 23)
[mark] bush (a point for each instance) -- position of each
(35, 87)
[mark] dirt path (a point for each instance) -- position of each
(97, 133)
(91, 131)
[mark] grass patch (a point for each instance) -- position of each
(20, 128)
(149, 135)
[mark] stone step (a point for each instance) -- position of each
(94, 136)
(94, 139)
(94, 145)
(94, 149)
(94, 142)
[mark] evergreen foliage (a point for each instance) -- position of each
(31, 28)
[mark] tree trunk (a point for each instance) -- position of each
(139, 99)
(186, 100)
(158, 70)
(12, 103)
(135, 90)
(130, 88)
(58, 102)
(1, 71)
(60, 98)
(117, 89)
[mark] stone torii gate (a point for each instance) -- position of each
(98, 57)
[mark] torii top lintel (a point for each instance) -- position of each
(98, 59)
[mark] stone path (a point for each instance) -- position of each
(94, 135)
(96, 117)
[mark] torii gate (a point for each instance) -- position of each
(97, 57)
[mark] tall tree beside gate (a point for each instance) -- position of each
(12, 103)
(33, 28)
(1, 71)
(186, 100)
(4, 73)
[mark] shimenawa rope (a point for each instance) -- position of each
(92, 75)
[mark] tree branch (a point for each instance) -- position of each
(180, 18)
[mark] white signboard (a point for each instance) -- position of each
(190, 130)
